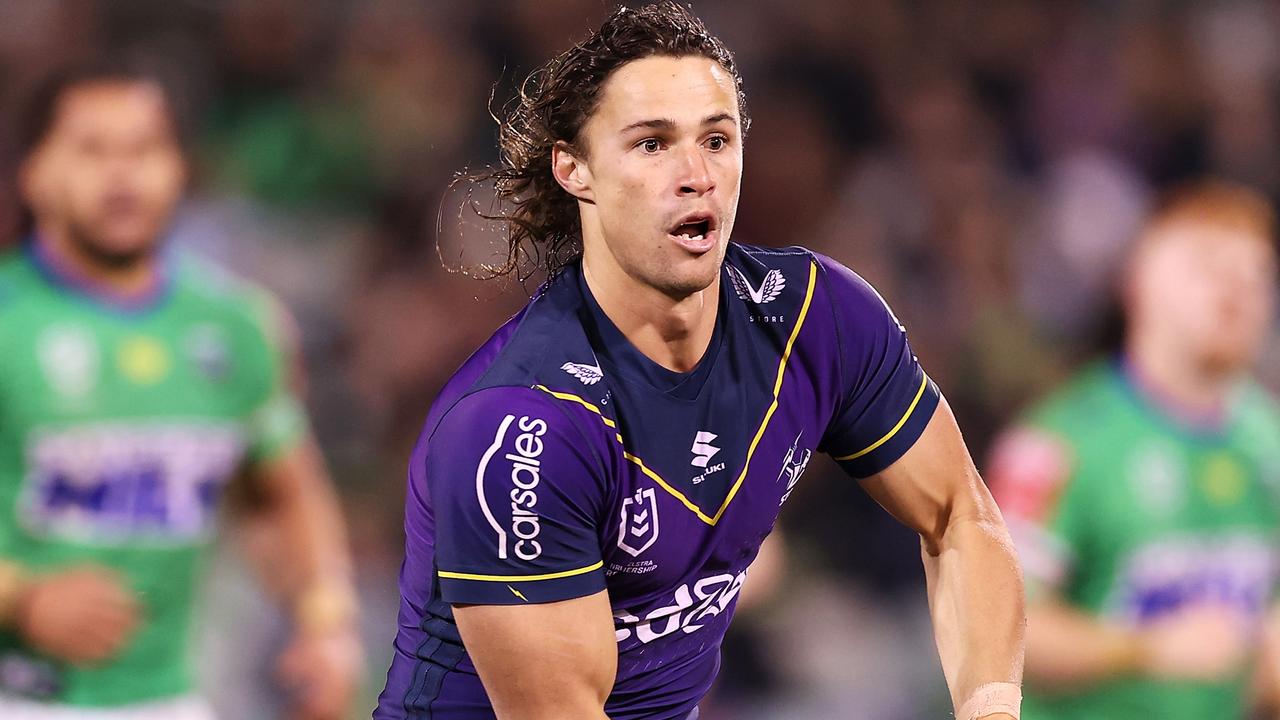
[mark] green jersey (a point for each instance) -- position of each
(1128, 514)
(119, 426)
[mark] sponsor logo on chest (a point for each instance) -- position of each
(693, 606)
(703, 452)
(116, 482)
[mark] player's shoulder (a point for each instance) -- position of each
(802, 278)
(1031, 463)
(541, 356)
(762, 274)
(1259, 411)
(16, 277)
(209, 289)
(1081, 404)
(1062, 424)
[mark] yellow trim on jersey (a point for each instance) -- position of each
(580, 401)
(924, 382)
(519, 578)
(777, 388)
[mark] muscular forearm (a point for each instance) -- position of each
(304, 529)
(975, 596)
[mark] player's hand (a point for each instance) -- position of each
(83, 615)
(1200, 642)
(321, 670)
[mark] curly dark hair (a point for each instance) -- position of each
(543, 230)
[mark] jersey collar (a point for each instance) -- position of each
(613, 348)
(61, 276)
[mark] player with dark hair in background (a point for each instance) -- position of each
(135, 384)
(592, 485)
(1143, 495)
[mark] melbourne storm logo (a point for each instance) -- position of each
(793, 466)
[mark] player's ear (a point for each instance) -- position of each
(569, 167)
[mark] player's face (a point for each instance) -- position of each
(664, 169)
(1211, 289)
(109, 172)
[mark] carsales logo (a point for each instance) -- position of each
(526, 473)
(694, 605)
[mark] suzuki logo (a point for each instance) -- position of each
(703, 450)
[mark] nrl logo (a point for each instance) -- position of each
(588, 374)
(770, 288)
(639, 528)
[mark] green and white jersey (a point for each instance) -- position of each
(119, 427)
(1128, 514)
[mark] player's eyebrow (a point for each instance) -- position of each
(668, 124)
(654, 124)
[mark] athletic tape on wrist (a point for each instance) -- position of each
(992, 698)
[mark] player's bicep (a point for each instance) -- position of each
(934, 483)
(517, 495)
(549, 660)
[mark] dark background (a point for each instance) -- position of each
(983, 163)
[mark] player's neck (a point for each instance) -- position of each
(1178, 384)
(673, 333)
(127, 281)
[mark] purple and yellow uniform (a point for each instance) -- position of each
(559, 461)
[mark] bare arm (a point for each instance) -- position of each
(549, 661)
(1068, 649)
(974, 583)
(302, 544)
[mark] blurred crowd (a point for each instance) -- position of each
(983, 163)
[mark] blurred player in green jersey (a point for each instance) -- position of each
(135, 385)
(1143, 495)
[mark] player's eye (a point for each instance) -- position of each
(650, 145)
(716, 143)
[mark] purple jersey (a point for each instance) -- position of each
(560, 461)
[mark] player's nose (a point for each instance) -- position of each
(695, 176)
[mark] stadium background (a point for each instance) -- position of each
(983, 163)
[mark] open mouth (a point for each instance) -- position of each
(694, 230)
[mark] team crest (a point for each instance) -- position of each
(587, 374)
(69, 359)
(639, 528)
(793, 466)
(770, 288)
(207, 347)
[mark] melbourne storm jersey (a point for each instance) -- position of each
(560, 461)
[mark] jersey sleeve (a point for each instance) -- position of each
(1029, 474)
(518, 497)
(276, 420)
(885, 398)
